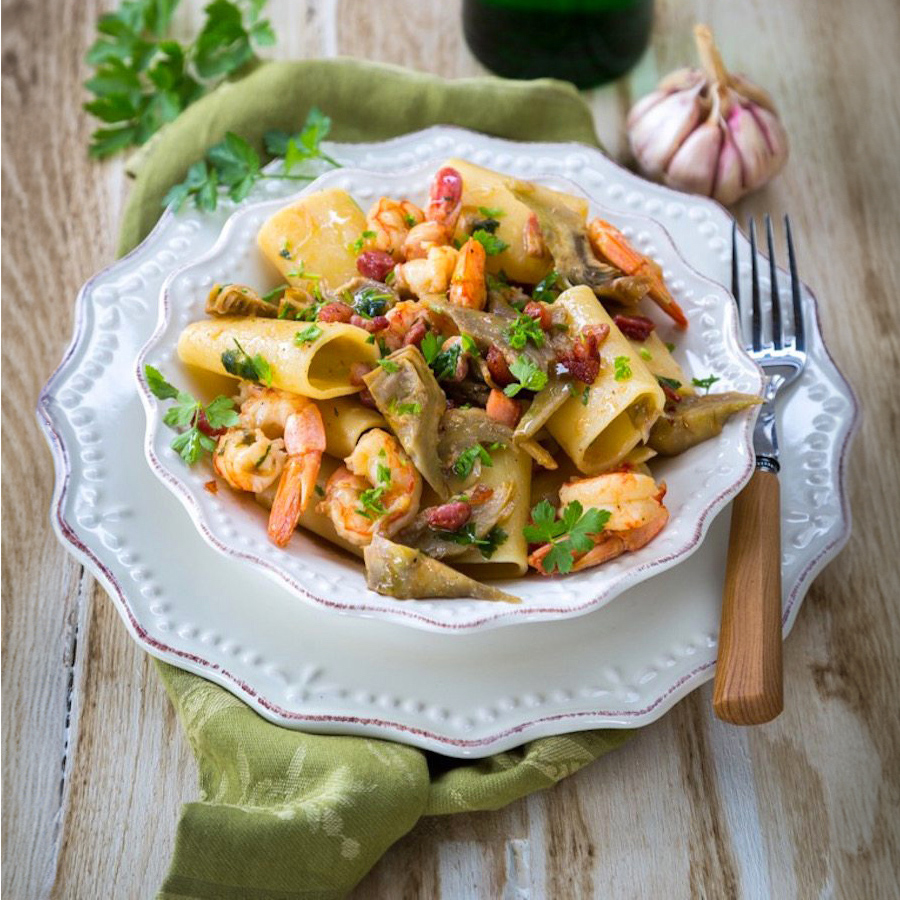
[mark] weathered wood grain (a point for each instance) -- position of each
(806, 806)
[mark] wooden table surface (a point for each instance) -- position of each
(95, 764)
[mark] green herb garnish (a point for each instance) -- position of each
(404, 409)
(548, 288)
(669, 382)
(670, 347)
(645, 354)
(466, 460)
(235, 165)
(706, 383)
(271, 295)
(493, 245)
(360, 242)
(569, 535)
(186, 413)
(466, 536)
(144, 79)
(308, 335)
(491, 212)
(523, 329)
(529, 376)
(370, 302)
(622, 366)
(388, 365)
(251, 368)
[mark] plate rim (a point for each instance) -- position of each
(431, 740)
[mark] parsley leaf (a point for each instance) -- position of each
(570, 535)
(239, 363)
(645, 354)
(431, 346)
(707, 382)
(372, 507)
(523, 329)
(673, 383)
(404, 409)
(388, 365)
(585, 395)
(466, 460)
(370, 302)
(360, 242)
(491, 243)
(466, 536)
(142, 79)
(469, 345)
(530, 377)
(187, 412)
(670, 347)
(498, 282)
(548, 288)
(622, 368)
(234, 164)
(308, 335)
(491, 212)
(159, 387)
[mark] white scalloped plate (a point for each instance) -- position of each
(700, 482)
(467, 695)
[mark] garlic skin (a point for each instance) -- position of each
(707, 131)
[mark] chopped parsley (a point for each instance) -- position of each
(186, 413)
(408, 218)
(404, 409)
(623, 368)
(285, 251)
(569, 535)
(529, 376)
(493, 245)
(466, 536)
(706, 383)
(388, 365)
(360, 242)
(370, 302)
(370, 499)
(308, 335)
(275, 292)
(670, 347)
(645, 354)
(466, 460)
(239, 363)
(442, 362)
(491, 212)
(672, 383)
(300, 272)
(549, 288)
(469, 345)
(585, 395)
(523, 329)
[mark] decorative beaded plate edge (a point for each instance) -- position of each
(468, 696)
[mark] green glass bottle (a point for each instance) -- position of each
(587, 42)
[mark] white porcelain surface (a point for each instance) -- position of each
(700, 483)
(463, 694)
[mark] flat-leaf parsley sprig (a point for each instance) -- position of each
(234, 166)
(143, 79)
(569, 535)
(201, 422)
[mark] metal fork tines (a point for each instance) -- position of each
(783, 356)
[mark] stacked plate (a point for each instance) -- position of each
(295, 632)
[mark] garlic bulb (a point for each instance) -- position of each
(707, 131)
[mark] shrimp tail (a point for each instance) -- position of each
(304, 439)
(613, 248)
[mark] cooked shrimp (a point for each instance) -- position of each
(248, 460)
(611, 246)
(300, 445)
(637, 515)
(467, 287)
(391, 222)
(441, 215)
(428, 276)
(377, 490)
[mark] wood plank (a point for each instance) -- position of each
(803, 807)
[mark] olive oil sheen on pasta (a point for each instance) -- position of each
(587, 42)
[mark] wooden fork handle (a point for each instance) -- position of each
(748, 686)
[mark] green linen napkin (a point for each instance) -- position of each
(284, 814)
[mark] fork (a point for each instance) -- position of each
(748, 685)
